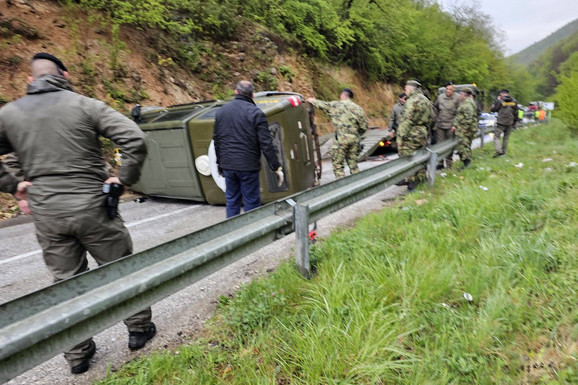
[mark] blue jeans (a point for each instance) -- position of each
(242, 188)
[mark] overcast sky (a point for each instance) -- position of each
(526, 21)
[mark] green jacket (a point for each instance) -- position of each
(466, 119)
(416, 117)
(347, 117)
(55, 135)
(445, 110)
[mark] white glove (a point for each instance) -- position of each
(280, 176)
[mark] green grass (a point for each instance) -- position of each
(387, 304)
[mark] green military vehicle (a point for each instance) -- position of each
(181, 161)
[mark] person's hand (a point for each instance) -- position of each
(23, 206)
(453, 128)
(280, 176)
(112, 179)
(22, 190)
(310, 100)
(499, 97)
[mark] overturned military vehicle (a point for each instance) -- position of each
(181, 160)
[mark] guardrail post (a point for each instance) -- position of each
(482, 134)
(302, 236)
(431, 167)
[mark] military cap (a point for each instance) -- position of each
(467, 90)
(413, 83)
(348, 91)
(52, 58)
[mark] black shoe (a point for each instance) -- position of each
(411, 185)
(466, 163)
(137, 340)
(401, 183)
(497, 154)
(85, 364)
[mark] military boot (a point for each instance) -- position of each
(466, 163)
(137, 340)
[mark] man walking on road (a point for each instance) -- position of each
(54, 132)
(412, 131)
(240, 135)
(350, 123)
(445, 107)
(507, 109)
(397, 112)
(466, 125)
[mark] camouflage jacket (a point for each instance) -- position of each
(396, 115)
(466, 119)
(416, 114)
(347, 117)
(445, 110)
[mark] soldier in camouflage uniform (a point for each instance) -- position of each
(350, 123)
(465, 125)
(413, 129)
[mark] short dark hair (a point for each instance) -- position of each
(245, 87)
(348, 91)
(52, 58)
(402, 95)
(504, 91)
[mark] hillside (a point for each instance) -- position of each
(145, 75)
(528, 55)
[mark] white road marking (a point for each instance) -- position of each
(129, 225)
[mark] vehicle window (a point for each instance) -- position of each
(176, 115)
(209, 114)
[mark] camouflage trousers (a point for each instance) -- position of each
(464, 146)
(406, 146)
(441, 136)
(345, 150)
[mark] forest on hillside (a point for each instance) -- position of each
(385, 40)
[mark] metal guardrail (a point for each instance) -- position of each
(42, 324)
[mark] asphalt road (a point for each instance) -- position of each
(180, 316)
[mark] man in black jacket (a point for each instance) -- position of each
(507, 109)
(241, 133)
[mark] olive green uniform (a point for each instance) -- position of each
(466, 124)
(55, 135)
(507, 109)
(396, 114)
(413, 129)
(350, 123)
(445, 111)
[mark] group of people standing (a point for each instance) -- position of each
(416, 122)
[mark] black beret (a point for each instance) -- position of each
(348, 91)
(504, 91)
(52, 58)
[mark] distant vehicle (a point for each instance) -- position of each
(487, 120)
(181, 161)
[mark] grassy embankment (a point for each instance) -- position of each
(387, 305)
